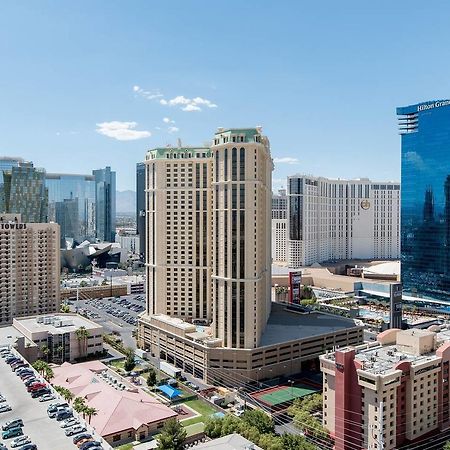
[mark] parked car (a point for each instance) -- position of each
(22, 440)
(54, 412)
(75, 430)
(69, 422)
(35, 386)
(40, 392)
(80, 437)
(29, 381)
(47, 398)
(4, 407)
(12, 424)
(12, 432)
(3, 446)
(63, 415)
(29, 447)
(90, 445)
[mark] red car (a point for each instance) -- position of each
(35, 386)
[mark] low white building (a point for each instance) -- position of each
(128, 240)
(57, 336)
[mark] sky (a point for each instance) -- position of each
(88, 84)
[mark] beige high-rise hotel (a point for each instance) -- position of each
(29, 268)
(208, 263)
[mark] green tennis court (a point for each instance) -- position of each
(285, 394)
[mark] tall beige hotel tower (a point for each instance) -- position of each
(208, 222)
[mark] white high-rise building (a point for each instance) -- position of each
(341, 219)
(279, 226)
(29, 268)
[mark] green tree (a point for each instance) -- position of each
(172, 436)
(447, 445)
(271, 442)
(82, 337)
(83, 284)
(48, 373)
(213, 427)
(104, 282)
(129, 362)
(151, 378)
(260, 420)
(64, 308)
(79, 405)
(45, 351)
(39, 366)
(295, 442)
(90, 412)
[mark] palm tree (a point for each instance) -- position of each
(89, 413)
(48, 373)
(45, 351)
(79, 405)
(82, 336)
(59, 351)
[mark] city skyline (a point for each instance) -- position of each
(139, 78)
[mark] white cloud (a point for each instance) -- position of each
(286, 160)
(188, 104)
(191, 107)
(279, 181)
(167, 120)
(184, 103)
(173, 130)
(149, 95)
(122, 131)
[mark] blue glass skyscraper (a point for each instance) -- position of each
(425, 213)
(71, 204)
(105, 201)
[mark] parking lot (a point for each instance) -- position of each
(114, 314)
(43, 431)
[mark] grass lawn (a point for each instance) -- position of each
(192, 420)
(195, 428)
(118, 364)
(201, 407)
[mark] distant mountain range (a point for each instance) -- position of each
(125, 202)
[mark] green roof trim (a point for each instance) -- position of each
(163, 152)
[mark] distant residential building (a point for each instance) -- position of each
(140, 206)
(128, 240)
(56, 336)
(105, 200)
(125, 412)
(23, 191)
(71, 202)
(389, 393)
(230, 442)
(279, 226)
(29, 268)
(341, 219)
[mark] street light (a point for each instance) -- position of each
(291, 382)
(257, 376)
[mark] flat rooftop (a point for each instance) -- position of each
(285, 325)
(69, 323)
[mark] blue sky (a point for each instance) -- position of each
(88, 83)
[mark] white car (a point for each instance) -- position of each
(75, 430)
(70, 422)
(21, 440)
(4, 407)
